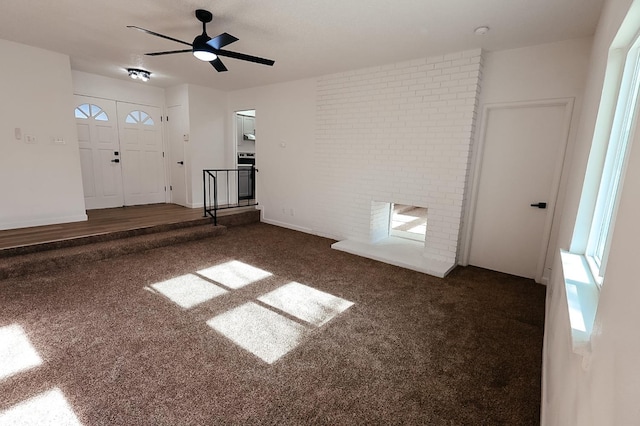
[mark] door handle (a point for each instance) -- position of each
(540, 205)
(115, 160)
(180, 162)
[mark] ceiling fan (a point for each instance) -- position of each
(206, 48)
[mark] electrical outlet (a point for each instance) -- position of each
(57, 140)
(30, 139)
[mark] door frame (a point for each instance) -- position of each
(162, 128)
(470, 210)
(234, 161)
(178, 119)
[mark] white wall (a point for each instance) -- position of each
(136, 92)
(40, 183)
(603, 389)
(546, 71)
(206, 148)
(285, 123)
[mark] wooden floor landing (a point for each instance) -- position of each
(101, 221)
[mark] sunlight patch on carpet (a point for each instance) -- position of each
(16, 352)
(306, 303)
(48, 408)
(234, 274)
(264, 333)
(188, 290)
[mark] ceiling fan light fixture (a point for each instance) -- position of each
(135, 74)
(204, 55)
(202, 50)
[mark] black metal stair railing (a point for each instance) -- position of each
(228, 188)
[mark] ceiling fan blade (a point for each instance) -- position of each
(222, 40)
(158, 35)
(218, 65)
(170, 52)
(243, 57)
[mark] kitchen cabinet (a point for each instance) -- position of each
(245, 125)
(248, 125)
(239, 129)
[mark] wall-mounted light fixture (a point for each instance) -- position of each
(139, 74)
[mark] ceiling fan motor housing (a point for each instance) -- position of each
(204, 16)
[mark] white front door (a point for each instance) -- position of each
(96, 121)
(521, 159)
(142, 154)
(176, 130)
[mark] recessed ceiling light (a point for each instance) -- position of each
(481, 30)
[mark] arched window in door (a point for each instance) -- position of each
(139, 117)
(85, 111)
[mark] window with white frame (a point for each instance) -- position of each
(624, 123)
(86, 111)
(139, 117)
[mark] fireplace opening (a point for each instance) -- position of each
(408, 222)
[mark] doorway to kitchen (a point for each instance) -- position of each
(408, 222)
(246, 153)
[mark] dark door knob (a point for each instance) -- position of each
(540, 205)
(180, 162)
(115, 160)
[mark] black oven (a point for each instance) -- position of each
(246, 176)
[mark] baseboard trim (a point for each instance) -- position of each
(286, 225)
(43, 221)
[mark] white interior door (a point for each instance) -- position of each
(141, 154)
(96, 121)
(521, 159)
(175, 128)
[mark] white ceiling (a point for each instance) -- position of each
(306, 38)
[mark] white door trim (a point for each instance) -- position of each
(176, 132)
(470, 209)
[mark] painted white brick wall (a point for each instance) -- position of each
(397, 133)
(380, 217)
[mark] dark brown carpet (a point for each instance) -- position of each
(413, 349)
